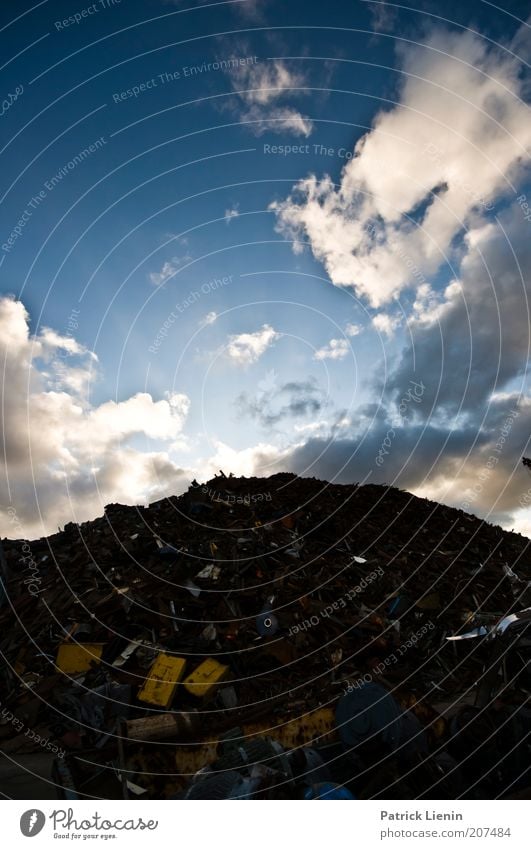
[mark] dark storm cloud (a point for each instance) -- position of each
(295, 399)
(482, 339)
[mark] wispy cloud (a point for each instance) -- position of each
(251, 9)
(337, 349)
(273, 403)
(232, 212)
(383, 15)
(263, 89)
(265, 82)
(168, 270)
(209, 318)
(278, 119)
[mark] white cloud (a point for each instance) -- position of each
(76, 380)
(318, 427)
(157, 278)
(430, 164)
(264, 82)
(209, 318)
(63, 457)
(353, 329)
(52, 341)
(337, 349)
(280, 119)
(520, 523)
(232, 212)
(385, 323)
(262, 459)
(462, 441)
(430, 307)
(139, 414)
(260, 86)
(383, 15)
(343, 422)
(252, 9)
(170, 267)
(246, 348)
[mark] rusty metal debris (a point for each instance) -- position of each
(228, 643)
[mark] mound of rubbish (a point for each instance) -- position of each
(277, 637)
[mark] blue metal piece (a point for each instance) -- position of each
(266, 623)
(328, 790)
(370, 714)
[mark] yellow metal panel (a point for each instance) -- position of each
(189, 759)
(161, 683)
(318, 726)
(205, 678)
(78, 657)
(431, 601)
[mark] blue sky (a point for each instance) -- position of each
(240, 234)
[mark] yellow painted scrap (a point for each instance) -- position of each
(318, 726)
(431, 601)
(161, 682)
(73, 658)
(205, 678)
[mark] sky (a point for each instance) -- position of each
(261, 236)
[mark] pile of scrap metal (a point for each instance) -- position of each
(272, 637)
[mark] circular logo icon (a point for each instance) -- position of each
(32, 822)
